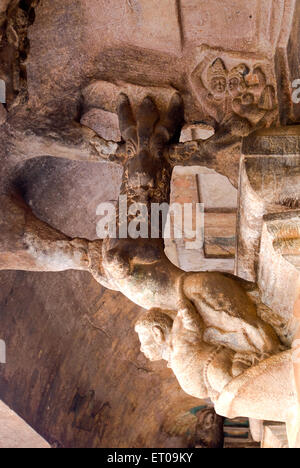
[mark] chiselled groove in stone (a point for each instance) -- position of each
(180, 22)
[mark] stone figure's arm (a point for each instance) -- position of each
(188, 326)
(201, 369)
(208, 152)
(187, 358)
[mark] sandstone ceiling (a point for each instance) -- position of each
(72, 349)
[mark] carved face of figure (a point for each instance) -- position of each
(233, 85)
(218, 85)
(236, 80)
(154, 330)
(217, 79)
(152, 344)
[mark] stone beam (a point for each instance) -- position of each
(75, 142)
(15, 433)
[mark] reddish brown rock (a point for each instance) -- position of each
(3, 114)
(105, 124)
(74, 369)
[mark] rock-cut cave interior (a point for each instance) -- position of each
(149, 224)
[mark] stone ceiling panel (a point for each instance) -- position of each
(254, 25)
(150, 24)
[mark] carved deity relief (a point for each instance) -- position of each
(217, 332)
(210, 327)
(238, 383)
(228, 87)
(206, 325)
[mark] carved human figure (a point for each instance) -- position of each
(139, 268)
(227, 97)
(239, 384)
(212, 98)
(236, 80)
(212, 334)
(30, 244)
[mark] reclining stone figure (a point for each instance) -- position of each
(239, 383)
(205, 325)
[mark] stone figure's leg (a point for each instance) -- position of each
(266, 391)
(27, 243)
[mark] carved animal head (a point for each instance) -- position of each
(154, 330)
(146, 136)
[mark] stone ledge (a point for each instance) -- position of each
(15, 433)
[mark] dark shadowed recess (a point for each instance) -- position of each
(66, 194)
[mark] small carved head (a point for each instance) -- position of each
(146, 135)
(154, 330)
(209, 429)
(236, 80)
(217, 78)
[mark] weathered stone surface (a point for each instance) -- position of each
(66, 194)
(196, 132)
(3, 114)
(100, 94)
(4, 5)
(274, 436)
(56, 58)
(76, 359)
(2, 92)
(202, 185)
(275, 141)
(147, 24)
(290, 57)
(268, 231)
(268, 184)
(216, 192)
(278, 265)
(254, 27)
(105, 124)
